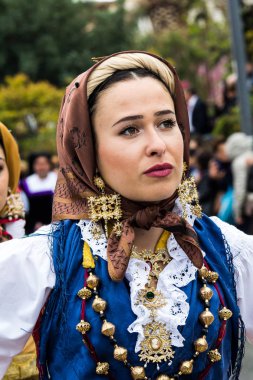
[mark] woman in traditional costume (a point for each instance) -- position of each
(12, 226)
(11, 207)
(131, 281)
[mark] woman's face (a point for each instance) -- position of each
(4, 179)
(138, 141)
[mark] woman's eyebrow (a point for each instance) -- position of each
(164, 112)
(136, 117)
(128, 118)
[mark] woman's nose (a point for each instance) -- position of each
(155, 143)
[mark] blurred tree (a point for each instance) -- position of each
(167, 15)
(194, 45)
(55, 39)
(109, 29)
(30, 110)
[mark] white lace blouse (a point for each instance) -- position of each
(27, 277)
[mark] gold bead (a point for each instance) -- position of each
(206, 293)
(201, 344)
(203, 272)
(92, 281)
(225, 313)
(214, 355)
(186, 367)
(120, 353)
(212, 276)
(99, 304)
(84, 293)
(83, 326)
(108, 328)
(164, 377)
(102, 368)
(138, 373)
(206, 318)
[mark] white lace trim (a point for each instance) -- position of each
(98, 246)
(178, 273)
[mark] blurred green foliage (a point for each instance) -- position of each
(55, 39)
(227, 124)
(19, 97)
(201, 40)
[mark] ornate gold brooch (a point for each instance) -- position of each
(156, 346)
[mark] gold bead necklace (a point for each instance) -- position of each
(108, 329)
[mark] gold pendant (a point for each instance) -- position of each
(96, 231)
(104, 207)
(151, 298)
(156, 260)
(156, 346)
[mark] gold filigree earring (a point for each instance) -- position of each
(188, 194)
(105, 207)
(14, 206)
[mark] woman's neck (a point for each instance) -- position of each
(147, 239)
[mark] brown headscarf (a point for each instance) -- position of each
(77, 161)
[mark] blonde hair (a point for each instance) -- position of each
(127, 61)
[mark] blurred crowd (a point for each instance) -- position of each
(222, 167)
(223, 170)
(37, 183)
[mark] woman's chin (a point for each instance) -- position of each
(152, 198)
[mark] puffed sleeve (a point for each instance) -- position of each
(26, 279)
(241, 246)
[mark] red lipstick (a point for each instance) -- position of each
(159, 170)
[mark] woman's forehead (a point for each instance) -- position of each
(135, 87)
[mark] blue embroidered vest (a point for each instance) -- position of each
(63, 355)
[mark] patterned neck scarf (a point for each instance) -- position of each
(77, 161)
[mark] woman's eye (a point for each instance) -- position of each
(129, 131)
(170, 123)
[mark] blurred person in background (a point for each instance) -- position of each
(197, 111)
(39, 189)
(206, 185)
(220, 169)
(12, 226)
(195, 144)
(213, 176)
(239, 150)
(229, 98)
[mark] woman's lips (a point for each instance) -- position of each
(160, 170)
